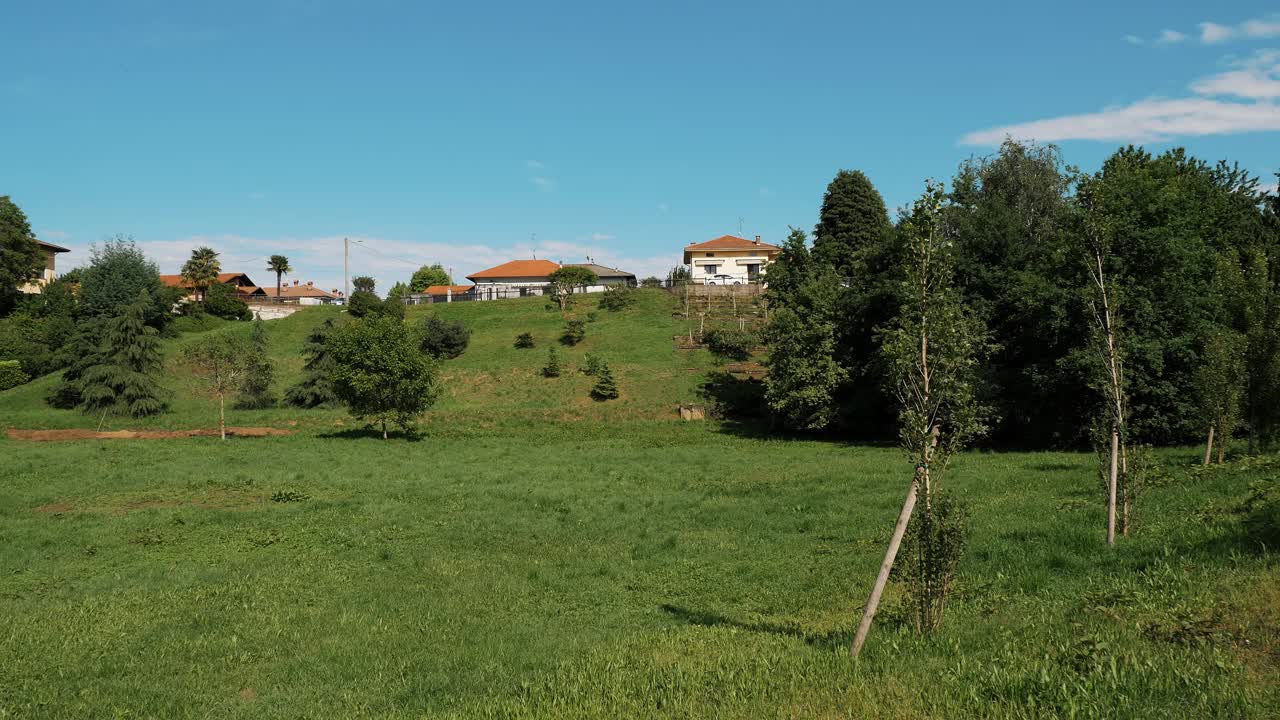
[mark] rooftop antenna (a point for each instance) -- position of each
(533, 240)
(739, 226)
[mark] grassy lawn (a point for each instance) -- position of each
(535, 554)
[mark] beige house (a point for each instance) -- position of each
(50, 272)
(729, 260)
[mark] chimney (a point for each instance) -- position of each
(309, 283)
(295, 283)
(757, 240)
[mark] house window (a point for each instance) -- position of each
(711, 269)
(711, 254)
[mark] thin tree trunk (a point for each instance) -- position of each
(873, 602)
(384, 429)
(1111, 486)
(1208, 447)
(1222, 448)
(222, 415)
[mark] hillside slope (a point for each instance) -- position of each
(490, 386)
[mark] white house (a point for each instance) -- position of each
(729, 260)
(522, 278)
(50, 273)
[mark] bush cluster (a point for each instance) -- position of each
(11, 374)
(731, 343)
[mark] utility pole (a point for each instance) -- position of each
(346, 271)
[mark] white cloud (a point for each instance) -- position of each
(1257, 77)
(1212, 33)
(1133, 39)
(533, 164)
(601, 237)
(1169, 37)
(1253, 85)
(544, 184)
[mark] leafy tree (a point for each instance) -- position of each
(1011, 215)
(11, 374)
(428, 275)
(567, 279)
(278, 264)
(524, 341)
(364, 303)
(651, 282)
(852, 218)
(379, 373)
(363, 283)
(605, 388)
(731, 343)
(316, 387)
(123, 377)
(575, 330)
(444, 339)
(201, 270)
(117, 272)
(552, 368)
(800, 390)
(255, 387)
(678, 274)
(220, 300)
(932, 346)
(82, 351)
(398, 293)
(219, 363)
(21, 258)
(1222, 380)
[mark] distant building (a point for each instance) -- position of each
(244, 286)
(50, 272)
(729, 260)
(442, 293)
(608, 276)
(306, 294)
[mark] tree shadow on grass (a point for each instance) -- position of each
(704, 618)
(366, 433)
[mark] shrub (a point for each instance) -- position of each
(220, 301)
(651, 282)
(444, 339)
(363, 304)
(524, 341)
(932, 549)
(11, 374)
(731, 344)
(379, 374)
(593, 365)
(574, 332)
(618, 298)
(552, 368)
(255, 389)
(592, 316)
(605, 387)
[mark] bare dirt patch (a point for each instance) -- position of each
(78, 434)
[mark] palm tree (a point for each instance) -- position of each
(201, 270)
(279, 265)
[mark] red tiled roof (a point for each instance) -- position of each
(731, 242)
(297, 291)
(176, 280)
(446, 289)
(518, 269)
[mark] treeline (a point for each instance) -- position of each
(1193, 259)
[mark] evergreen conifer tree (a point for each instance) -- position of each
(123, 381)
(605, 387)
(255, 389)
(552, 368)
(315, 389)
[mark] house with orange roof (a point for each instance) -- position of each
(245, 288)
(729, 260)
(524, 278)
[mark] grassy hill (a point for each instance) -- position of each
(490, 386)
(539, 555)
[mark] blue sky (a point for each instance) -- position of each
(473, 133)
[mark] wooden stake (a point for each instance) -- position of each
(873, 602)
(1111, 486)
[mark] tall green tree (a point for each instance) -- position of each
(278, 264)
(117, 272)
(201, 270)
(428, 275)
(852, 219)
(800, 389)
(379, 373)
(21, 259)
(363, 283)
(1011, 214)
(933, 347)
(124, 378)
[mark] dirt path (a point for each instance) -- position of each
(46, 435)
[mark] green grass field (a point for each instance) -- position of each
(536, 554)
